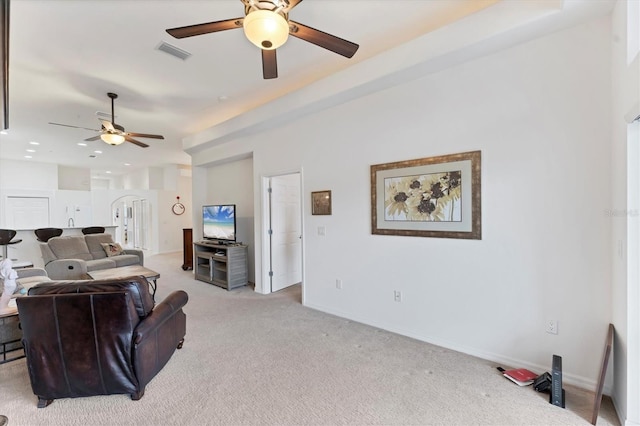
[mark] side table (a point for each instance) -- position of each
(10, 337)
(128, 271)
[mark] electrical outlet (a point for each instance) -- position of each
(339, 284)
(397, 295)
(552, 327)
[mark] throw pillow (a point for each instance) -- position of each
(112, 249)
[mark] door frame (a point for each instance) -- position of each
(119, 234)
(265, 220)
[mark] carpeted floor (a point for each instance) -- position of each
(251, 359)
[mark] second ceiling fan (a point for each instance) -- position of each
(267, 25)
(112, 133)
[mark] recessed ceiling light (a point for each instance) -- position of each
(127, 164)
(98, 152)
(3, 132)
(34, 143)
(82, 144)
(28, 156)
(31, 150)
(108, 172)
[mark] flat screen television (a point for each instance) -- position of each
(219, 223)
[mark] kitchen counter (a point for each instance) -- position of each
(108, 228)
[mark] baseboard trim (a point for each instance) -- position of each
(572, 379)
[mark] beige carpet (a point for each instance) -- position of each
(305, 367)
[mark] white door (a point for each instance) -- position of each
(27, 212)
(286, 231)
(132, 216)
(140, 217)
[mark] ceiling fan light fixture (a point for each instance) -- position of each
(112, 138)
(266, 29)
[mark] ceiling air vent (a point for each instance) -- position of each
(105, 115)
(173, 51)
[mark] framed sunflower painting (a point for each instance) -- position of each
(428, 197)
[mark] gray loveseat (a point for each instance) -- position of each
(71, 257)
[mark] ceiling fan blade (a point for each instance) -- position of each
(75, 127)
(325, 40)
(206, 28)
(292, 4)
(107, 125)
(145, 135)
(93, 138)
(140, 144)
(269, 64)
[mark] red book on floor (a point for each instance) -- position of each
(520, 376)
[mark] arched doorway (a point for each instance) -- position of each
(131, 215)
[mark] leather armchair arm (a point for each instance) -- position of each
(66, 269)
(158, 335)
(161, 313)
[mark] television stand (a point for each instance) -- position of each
(223, 265)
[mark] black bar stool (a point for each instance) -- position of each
(43, 234)
(6, 236)
(93, 230)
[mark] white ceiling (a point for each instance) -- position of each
(66, 55)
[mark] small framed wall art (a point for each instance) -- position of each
(428, 197)
(321, 203)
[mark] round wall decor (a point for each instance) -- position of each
(178, 207)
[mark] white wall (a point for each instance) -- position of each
(156, 178)
(232, 183)
(173, 241)
(75, 205)
(74, 178)
(539, 113)
(23, 174)
(138, 179)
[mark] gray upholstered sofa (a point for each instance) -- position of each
(28, 277)
(71, 257)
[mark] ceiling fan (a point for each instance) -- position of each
(267, 25)
(113, 133)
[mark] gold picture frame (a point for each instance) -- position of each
(321, 203)
(428, 197)
(603, 372)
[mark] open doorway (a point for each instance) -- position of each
(131, 214)
(283, 219)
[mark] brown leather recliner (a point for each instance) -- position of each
(97, 337)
